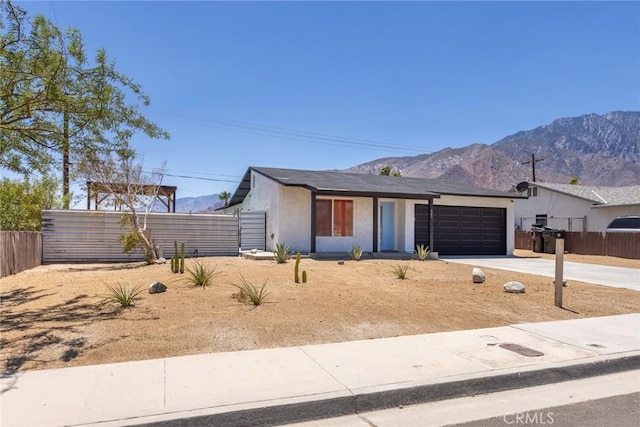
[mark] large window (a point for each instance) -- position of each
(334, 218)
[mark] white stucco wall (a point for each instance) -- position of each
(263, 196)
(445, 200)
(558, 206)
(362, 229)
(294, 219)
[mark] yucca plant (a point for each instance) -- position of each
(422, 252)
(251, 292)
(400, 271)
(282, 253)
(201, 275)
(355, 253)
(121, 294)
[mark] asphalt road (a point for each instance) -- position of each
(619, 411)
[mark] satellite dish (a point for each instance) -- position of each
(523, 186)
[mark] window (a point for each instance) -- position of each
(334, 218)
(541, 220)
(532, 192)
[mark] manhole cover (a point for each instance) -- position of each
(525, 351)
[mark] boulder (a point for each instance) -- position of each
(157, 287)
(478, 275)
(514, 287)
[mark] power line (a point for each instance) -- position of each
(193, 177)
(291, 134)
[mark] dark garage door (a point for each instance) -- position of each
(462, 230)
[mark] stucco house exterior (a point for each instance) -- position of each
(575, 207)
(327, 211)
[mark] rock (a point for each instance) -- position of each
(161, 261)
(341, 262)
(157, 287)
(478, 275)
(514, 287)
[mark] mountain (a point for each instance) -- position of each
(201, 204)
(596, 149)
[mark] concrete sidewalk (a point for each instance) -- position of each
(617, 277)
(284, 385)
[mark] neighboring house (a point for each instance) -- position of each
(323, 211)
(575, 207)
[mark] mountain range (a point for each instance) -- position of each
(200, 204)
(596, 149)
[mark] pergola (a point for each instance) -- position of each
(98, 192)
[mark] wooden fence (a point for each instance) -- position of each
(19, 251)
(622, 245)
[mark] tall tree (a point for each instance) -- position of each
(125, 185)
(22, 202)
(225, 196)
(54, 103)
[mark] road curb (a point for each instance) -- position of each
(350, 405)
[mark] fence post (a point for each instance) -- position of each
(559, 267)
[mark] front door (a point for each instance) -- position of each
(387, 226)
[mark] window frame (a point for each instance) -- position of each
(321, 230)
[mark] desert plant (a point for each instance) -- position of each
(422, 252)
(304, 276)
(175, 266)
(355, 253)
(182, 258)
(296, 269)
(400, 271)
(282, 253)
(201, 275)
(251, 292)
(121, 294)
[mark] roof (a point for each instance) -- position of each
(599, 196)
(365, 185)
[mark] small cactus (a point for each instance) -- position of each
(176, 263)
(296, 269)
(182, 258)
(304, 276)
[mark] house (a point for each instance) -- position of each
(328, 211)
(575, 207)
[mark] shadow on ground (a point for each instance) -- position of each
(25, 338)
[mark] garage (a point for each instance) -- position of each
(462, 230)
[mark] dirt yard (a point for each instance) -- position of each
(51, 319)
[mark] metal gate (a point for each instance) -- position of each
(253, 230)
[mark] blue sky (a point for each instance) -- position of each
(250, 83)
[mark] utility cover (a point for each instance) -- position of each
(525, 351)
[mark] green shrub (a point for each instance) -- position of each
(422, 252)
(355, 253)
(282, 253)
(201, 275)
(121, 294)
(401, 271)
(251, 292)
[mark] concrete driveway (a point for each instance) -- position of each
(617, 277)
